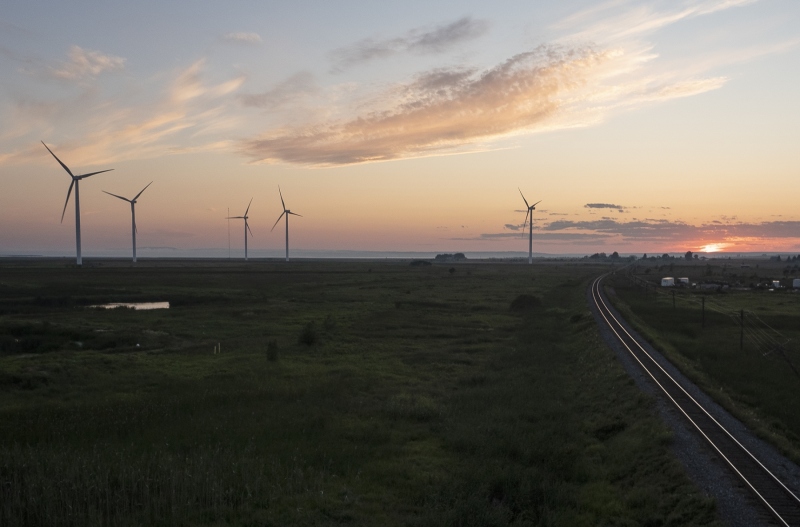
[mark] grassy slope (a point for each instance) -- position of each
(762, 391)
(424, 401)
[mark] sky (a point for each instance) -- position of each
(642, 126)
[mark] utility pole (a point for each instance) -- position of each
(673, 300)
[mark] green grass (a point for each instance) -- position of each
(755, 384)
(422, 399)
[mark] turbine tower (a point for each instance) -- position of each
(75, 181)
(246, 226)
(134, 230)
(530, 209)
(286, 212)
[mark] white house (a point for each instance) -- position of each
(796, 283)
(668, 281)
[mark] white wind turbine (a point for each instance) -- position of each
(286, 212)
(530, 209)
(75, 181)
(246, 226)
(134, 230)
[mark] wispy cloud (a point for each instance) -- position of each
(241, 37)
(443, 110)
(466, 109)
(296, 87)
(191, 114)
(83, 63)
(617, 20)
(420, 40)
(664, 233)
(603, 206)
(662, 230)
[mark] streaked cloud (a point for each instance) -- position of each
(293, 89)
(82, 63)
(190, 115)
(241, 37)
(617, 20)
(461, 109)
(419, 40)
(608, 232)
(662, 230)
(442, 110)
(603, 206)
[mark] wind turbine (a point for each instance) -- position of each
(75, 181)
(246, 226)
(134, 230)
(530, 209)
(286, 212)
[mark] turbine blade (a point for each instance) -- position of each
(248, 227)
(65, 203)
(235, 218)
(140, 193)
(536, 203)
(293, 213)
(248, 207)
(281, 195)
(59, 161)
(120, 197)
(93, 173)
(523, 197)
(525, 221)
(276, 221)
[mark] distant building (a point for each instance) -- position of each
(796, 283)
(668, 281)
(683, 281)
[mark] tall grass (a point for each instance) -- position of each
(424, 400)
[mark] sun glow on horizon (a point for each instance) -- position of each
(714, 247)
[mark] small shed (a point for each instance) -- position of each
(683, 281)
(776, 284)
(796, 283)
(668, 281)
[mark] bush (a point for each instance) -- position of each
(272, 350)
(525, 303)
(308, 335)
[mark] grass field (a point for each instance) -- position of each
(371, 393)
(747, 354)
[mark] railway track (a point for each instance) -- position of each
(780, 502)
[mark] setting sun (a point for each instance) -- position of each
(714, 247)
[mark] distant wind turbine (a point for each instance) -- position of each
(530, 209)
(246, 226)
(134, 230)
(286, 212)
(75, 181)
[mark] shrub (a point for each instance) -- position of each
(525, 303)
(272, 350)
(308, 335)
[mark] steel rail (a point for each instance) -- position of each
(781, 502)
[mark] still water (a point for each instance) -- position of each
(136, 305)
